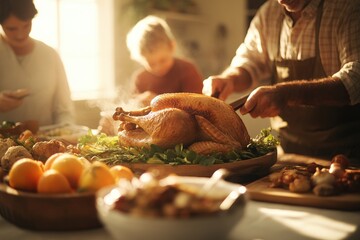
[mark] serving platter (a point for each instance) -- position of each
(260, 191)
(60, 212)
(236, 168)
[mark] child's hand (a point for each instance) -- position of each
(146, 97)
(107, 126)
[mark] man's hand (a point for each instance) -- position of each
(230, 81)
(264, 102)
(218, 86)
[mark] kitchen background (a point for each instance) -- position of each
(90, 37)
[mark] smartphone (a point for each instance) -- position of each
(19, 93)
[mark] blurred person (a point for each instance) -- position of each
(33, 83)
(152, 44)
(301, 59)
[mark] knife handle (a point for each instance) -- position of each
(216, 94)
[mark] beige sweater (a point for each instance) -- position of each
(42, 72)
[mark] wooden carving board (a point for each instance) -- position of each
(260, 191)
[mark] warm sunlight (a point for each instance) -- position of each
(73, 28)
(316, 226)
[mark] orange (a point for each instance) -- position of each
(53, 182)
(86, 162)
(50, 160)
(96, 176)
(120, 172)
(70, 166)
(25, 174)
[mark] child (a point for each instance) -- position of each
(152, 44)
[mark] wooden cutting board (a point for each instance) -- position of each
(260, 191)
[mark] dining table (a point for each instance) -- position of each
(261, 220)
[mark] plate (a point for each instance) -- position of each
(68, 132)
(60, 212)
(239, 168)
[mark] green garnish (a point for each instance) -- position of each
(107, 149)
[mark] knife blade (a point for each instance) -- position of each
(239, 103)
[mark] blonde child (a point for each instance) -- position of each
(152, 45)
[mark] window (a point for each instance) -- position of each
(82, 33)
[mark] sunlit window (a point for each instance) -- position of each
(82, 33)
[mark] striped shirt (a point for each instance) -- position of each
(339, 41)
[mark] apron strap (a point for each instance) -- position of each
(319, 69)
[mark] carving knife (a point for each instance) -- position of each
(236, 104)
(239, 103)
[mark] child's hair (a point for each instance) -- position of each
(147, 35)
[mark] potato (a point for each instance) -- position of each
(5, 143)
(13, 154)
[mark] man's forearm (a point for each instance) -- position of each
(240, 77)
(323, 92)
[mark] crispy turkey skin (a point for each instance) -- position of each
(203, 124)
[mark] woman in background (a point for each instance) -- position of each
(33, 83)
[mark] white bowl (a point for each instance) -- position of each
(125, 226)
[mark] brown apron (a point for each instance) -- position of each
(311, 130)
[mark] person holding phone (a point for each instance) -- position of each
(33, 83)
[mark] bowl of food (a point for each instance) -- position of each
(174, 207)
(8, 128)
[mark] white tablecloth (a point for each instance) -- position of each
(261, 221)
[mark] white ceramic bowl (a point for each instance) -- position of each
(128, 227)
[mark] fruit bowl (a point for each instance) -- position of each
(123, 225)
(60, 212)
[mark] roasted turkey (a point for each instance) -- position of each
(203, 124)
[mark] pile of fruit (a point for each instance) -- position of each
(64, 173)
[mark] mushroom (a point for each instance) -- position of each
(324, 183)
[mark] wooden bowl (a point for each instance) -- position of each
(60, 212)
(237, 168)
